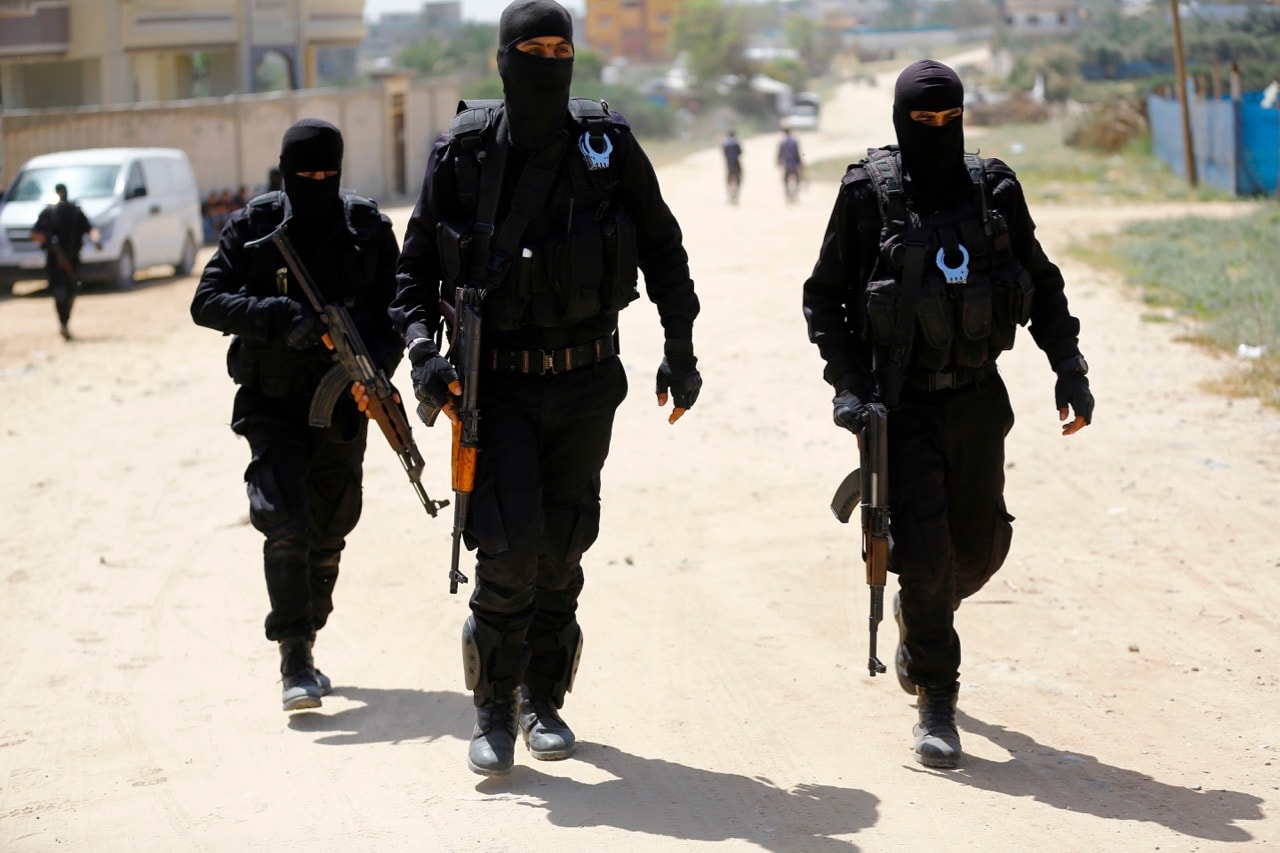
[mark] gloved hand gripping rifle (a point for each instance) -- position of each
(870, 486)
(354, 364)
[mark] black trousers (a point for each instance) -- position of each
(536, 506)
(304, 487)
(63, 286)
(950, 529)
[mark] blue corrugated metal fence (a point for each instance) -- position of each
(1236, 143)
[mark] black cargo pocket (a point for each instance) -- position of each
(452, 244)
(577, 270)
(975, 309)
(1021, 290)
(485, 529)
(622, 260)
(882, 309)
(587, 526)
(240, 366)
(268, 511)
(275, 375)
(933, 314)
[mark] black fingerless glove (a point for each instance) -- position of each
(849, 410)
(678, 374)
(305, 328)
(431, 374)
(1072, 388)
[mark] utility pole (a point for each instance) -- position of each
(1182, 94)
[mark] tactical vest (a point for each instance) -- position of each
(954, 270)
(272, 368)
(575, 255)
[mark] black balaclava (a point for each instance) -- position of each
(312, 145)
(933, 157)
(536, 89)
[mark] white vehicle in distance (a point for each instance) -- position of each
(143, 201)
(805, 109)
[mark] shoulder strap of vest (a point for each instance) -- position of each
(591, 114)
(362, 214)
(885, 170)
(977, 174)
(265, 212)
(466, 130)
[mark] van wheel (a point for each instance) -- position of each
(188, 260)
(123, 279)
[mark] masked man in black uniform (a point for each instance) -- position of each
(60, 229)
(304, 482)
(928, 265)
(574, 210)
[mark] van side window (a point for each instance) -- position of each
(136, 185)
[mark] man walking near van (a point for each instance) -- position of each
(60, 229)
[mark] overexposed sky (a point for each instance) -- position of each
(472, 10)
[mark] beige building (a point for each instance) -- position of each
(194, 74)
(62, 53)
(638, 30)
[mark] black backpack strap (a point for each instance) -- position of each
(884, 166)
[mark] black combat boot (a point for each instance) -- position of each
(326, 685)
(900, 653)
(553, 663)
(493, 663)
(937, 741)
(298, 672)
(545, 733)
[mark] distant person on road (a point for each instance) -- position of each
(303, 482)
(60, 229)
(789, 161)
(910, 321)
(732, 149)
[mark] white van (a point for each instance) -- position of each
(144, 202)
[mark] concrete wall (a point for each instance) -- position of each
(234, 140)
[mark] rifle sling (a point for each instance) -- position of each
(493, 251)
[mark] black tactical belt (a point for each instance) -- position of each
(541, 362)
(957, 378)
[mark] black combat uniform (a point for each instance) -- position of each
(957, 227)
(304, 482)
(63, 227)
(550, 380)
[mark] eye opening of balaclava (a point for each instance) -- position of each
(535, 89)
(932, 157)
(311, 145)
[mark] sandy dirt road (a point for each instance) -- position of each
(1121, 689)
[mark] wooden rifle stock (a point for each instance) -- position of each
(466, 429)
(869, 486)
(875, 519)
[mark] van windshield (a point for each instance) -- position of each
(81, 181)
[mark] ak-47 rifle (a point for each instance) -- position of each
(464, 318)
(870, 486)
(354, 364)
(61, 259)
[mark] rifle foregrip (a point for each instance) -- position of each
(464, 468)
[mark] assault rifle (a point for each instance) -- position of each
(464, 317)
(354, 364)
(61, 259)
(869, 485)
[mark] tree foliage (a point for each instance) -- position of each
(469, 51)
